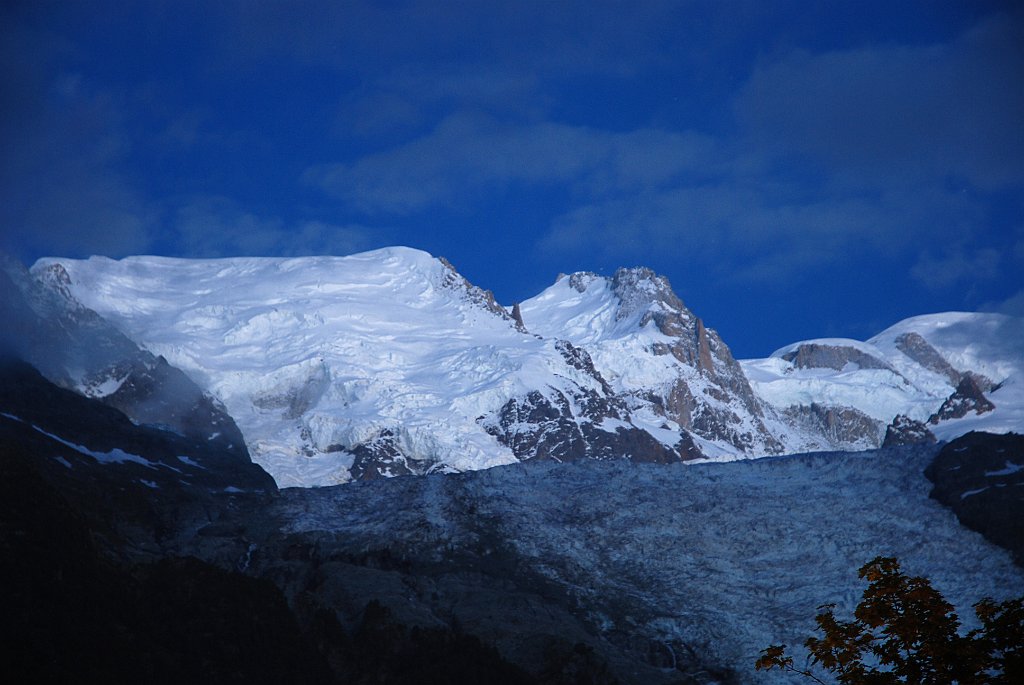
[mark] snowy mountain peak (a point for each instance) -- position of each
(56, 278)
(933, 369)
(649, 346)
(585, 307)
(640, 289)
(987, 344)
(323, 358)
(390, 362)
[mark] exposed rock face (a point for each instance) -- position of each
(579, 422)
(517, 316)
(906, 431)
(578, 358)
(967, 398)
(382, 457)
(89, 441)
(921, 351)
(840, 425)
(980, 477)
(917, 348)
(453, 280)
(695, 383)
(552, 427)
(819, 356)
(156, 393)
(716, 402)
(69, 343)
(76, 348)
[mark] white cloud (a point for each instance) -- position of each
(468, 154)
(213, 226)
(957, 267)
(896, 113)
(1012, 305)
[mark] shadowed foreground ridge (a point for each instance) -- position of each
(99, 580)
(981, 477)
(592, 571)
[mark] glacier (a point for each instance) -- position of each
(692, 565)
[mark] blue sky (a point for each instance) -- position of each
(797, 169)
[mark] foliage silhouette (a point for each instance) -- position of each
(904, 631)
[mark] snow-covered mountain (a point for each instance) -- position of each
(954, 372)
(651, 348)
(381, 363)
(74, 347)
(390, 362)
(638, 573)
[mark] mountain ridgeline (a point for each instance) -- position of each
(389, 362)
(140, 541)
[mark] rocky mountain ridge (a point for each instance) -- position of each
(390, 362)
(141, 553)
(76, 348)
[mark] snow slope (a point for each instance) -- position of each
(389, 362)
(909, 381)
(647, 344)
(315, 357)
(987, 344)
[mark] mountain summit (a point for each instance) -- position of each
(655, 350)
(389, 362)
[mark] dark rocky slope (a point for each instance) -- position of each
(76, 348)
(980, 476)
(597, 571)
(99, 523)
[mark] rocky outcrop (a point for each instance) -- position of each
(710, 395)
(583, 426)
(457, 283)
(967, 398)
(980, 476)
(579, 422)
(381, 457)
(921, 351)
(836, 357)
(93, 441)
(843, 426)
(906, 431)
(517, 316)
(154, 392)
(579, 359)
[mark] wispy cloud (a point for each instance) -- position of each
(469, 153)
(872, 151)
(1012, 305)
(951, 267)
(740, 229)
(213, 226)
(899, 114)
(62, 146)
